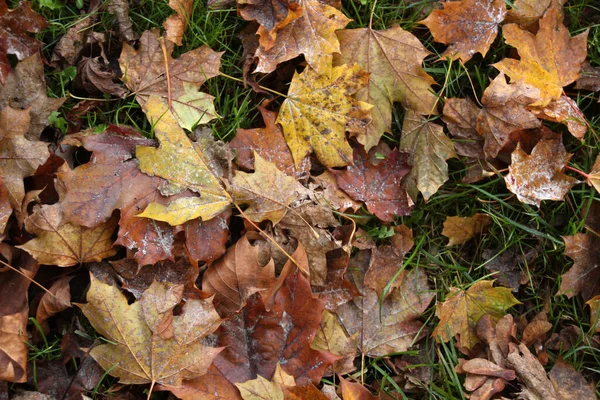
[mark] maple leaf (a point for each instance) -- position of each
(353, 390)
(210, 386)
(539, 176)
(336, 289)
(393, 58)
(390, 326)
(150, 344)
(184, 164)
(25, 87)
(267, 191)
(176, 25)
(504, 112)
(260, 388)
(565, 111)
(461, 311)
(549, 60)
(594, 175)
(460, 116)
(65, 245)
(271, 15)
(177, 83)
(5, 208)
(19, 157)
(14, 26)
(527, 12)
(205, 240)
(429, 149)
(57, 299)
(468, 26)
(270, 144)
(331, 195)
(318, 111)
(312, 34)
(462, 229)
(378, 186)
(332, 338)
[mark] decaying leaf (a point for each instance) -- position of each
(462, 229)
(176, 84)
(429, 149)
(462, 310)
(527, 12)
(549, 60)
(468, 26)
(355, 391)
(378, 186)
(271, 15)
(176, 25)
(56, 300)
(336, 289)
(15, 25)
(584, 276)
(66, 244)
(312, 34)
(331, 195)
(332, 338)
(150, 344)
(205, 240)
(184, 164)
(539, 176)
(319, 110)
(393, 58)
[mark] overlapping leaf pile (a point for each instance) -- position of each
(296, 294)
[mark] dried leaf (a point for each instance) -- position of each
(549, 60)
(468, 26)
(570, 384)
(260, 389)
(319, 110)
(534, 331)
(527, 12)
(65, 245)
(584, 276)
(594, 175)
(139, 353)
(393, 57)
(355, 391)
(462, 310)
(460, 116)
(481, 366)
(120, 9)
(177, 83)
(271, 15)
(331, 195)
(539, 176)
(589, 79)
(336, 290)
(210, 386)
(462, 229)
(312, 34)
(565, 111)
(97, 78)
(205, 240)
(594, 304)
(332, 338)
(531, 373)
(184, 164)
(14, 26)
(176, 25)
(429, 149)
(57, 301)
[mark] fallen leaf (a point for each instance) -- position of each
(594, 304)
(505, 112)
(460, 116)
(429, 149)
(271, 15)
(527, 12)
(594, 175)
(19, 157)
(15, 25)
(385, 264)
(462, 229)
(57, 299)
(205, 240)
(468, 26)
(589, 79)
(139, 353)
(25, 87)
(176, 83)
(534, 331)
(531, 373)
(504, 264)
(319, 110)
(565, 111)
(569, 383)
(355, 391)
(184, 164)
(176, 25)
(336, 290)
(393, 58)
(5, 208)
(312, 34)
(260, 389)
(461, 311)
(96, 78)
(481, 366)
(210, 386)
(270, 144)
(65, 245)
(584, 276)
(72, 42)
(332, 338)
(331, 195)
(539, 176)
(267, 192)
(549, 60)
(120, 9)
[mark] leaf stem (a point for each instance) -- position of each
(587, 177)
(371, 17)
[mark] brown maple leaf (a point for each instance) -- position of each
(378, 186)
(336, 290)
(565, 111)
(539, 176)
(468, 26)
(527, 12)
(271, 15)
(14, 26)
(462, 229)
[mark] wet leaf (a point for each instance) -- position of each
(319, 110)
(271, 15)
(355, 391)
(468, 26)
(527, 12)
(462, 229)
(205, 240)
(461, 311)
(393, 58)
(460, 116)
(569, 383)
(549, 60)
(539, 176)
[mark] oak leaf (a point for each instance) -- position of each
(176, 83)
(549, 60)
(271, 15)
(539, 176)
(150, 344)
(268, 191)
(393, 58)
(66, 244)
(319, 110)
(184, 164)
(15, 25)
(468, 26)
(312, 34)
(429, 149)
(378, 186)
(462, 229)
(462, 309)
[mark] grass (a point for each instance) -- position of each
(515, 225)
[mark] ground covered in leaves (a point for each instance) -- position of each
(309, 199)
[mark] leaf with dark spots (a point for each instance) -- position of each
(379, 186)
